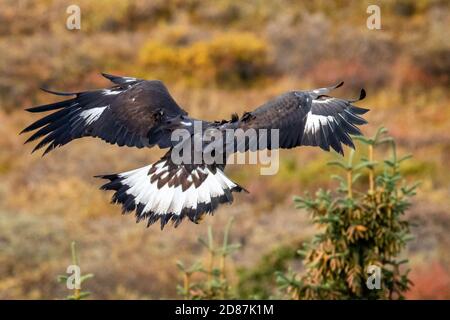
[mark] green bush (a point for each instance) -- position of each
(77, 294)
(360, 229)
(213, 282)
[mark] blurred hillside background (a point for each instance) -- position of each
(216, 57)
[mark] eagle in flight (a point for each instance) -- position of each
(142, 113)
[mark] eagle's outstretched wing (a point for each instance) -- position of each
(130, 113)
(308, 118)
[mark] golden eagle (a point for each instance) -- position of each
(142, 113)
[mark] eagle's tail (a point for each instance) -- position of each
(168, 192)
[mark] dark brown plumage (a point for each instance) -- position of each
(140, 113)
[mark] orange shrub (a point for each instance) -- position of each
(229, 59)
(430, 282)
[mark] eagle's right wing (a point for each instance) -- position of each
(130, 113)
(308, 118)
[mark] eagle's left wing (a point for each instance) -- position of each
(308, 118)
(133, 112)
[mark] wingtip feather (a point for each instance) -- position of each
(108, 76)
(58, 93)
(362, 94)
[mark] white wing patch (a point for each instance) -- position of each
(314, 122)
(108, 92)
(91, 115)
(129, 79)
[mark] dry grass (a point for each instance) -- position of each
(47, 202)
